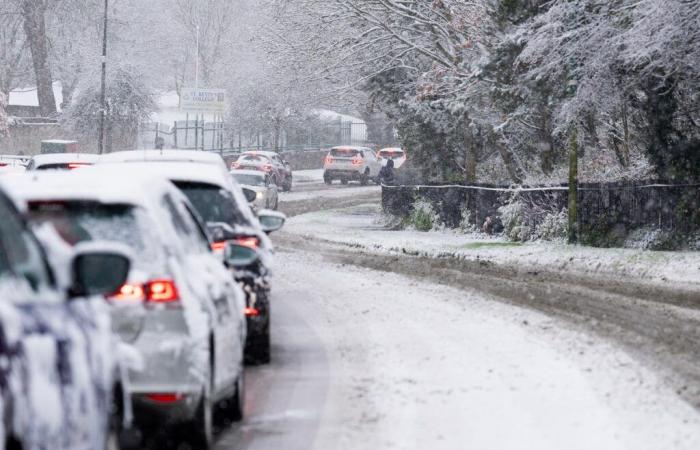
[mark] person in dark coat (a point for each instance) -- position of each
(386, 174)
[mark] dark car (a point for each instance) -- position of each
(59, 377)
(270, 162)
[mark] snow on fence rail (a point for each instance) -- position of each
(602, 207)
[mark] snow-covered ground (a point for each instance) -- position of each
(363, 227)
(308, 185)
(361, 364)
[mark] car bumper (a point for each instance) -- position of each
(349, 174)
(150, 412)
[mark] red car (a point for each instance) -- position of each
(280, 171)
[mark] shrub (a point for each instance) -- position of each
(466, 224)
(513, 218)
(553, 227)
(423, 217)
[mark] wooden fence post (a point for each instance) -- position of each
(573, 188)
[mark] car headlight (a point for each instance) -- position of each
(259, 196)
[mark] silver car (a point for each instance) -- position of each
(266, 191)
(180, 307)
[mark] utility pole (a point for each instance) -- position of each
(103, 94)
(196, 62)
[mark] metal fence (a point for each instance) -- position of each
(601, 206)
(194, 133)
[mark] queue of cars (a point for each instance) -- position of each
(137, 305)
(351, 163)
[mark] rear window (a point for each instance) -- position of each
(249, 179)
(91, 221)
(254, 159)
(391, 153)
(62, 166)
(213, 203)
(345, 152)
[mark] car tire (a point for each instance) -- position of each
(327, 178)
(237, 402)
(203, 422)
(288, 184)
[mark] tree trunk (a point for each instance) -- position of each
(573, 188)
(507, 157)
(469, 158)
(35, 29)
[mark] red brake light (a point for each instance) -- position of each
(235, 165)
(357, 161)
(2, 164)
(73, 166)
(267, 167)
(329, 159)
(162, 291)
(165, 397)
(250, 241)
(218, 246)
(251, 312)
(129, 292)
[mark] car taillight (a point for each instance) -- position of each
(161, 291)
(218, 246)
(356, 161)
(329, 160)
(130, 292)
(251, 312)
(166, 397)
(250, 241)
(235, 165)
(267, 167)
(73, 166)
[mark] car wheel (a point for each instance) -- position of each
(288, 184)
(203, 423)
(364, 178)
(327, 178)
(237, 405)
(259, 349)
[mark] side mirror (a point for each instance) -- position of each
(271, 220)
(98, 272)
(250, 195)
(237, 256)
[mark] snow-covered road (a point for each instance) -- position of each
(370, 359)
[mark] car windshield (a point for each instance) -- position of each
(258, 159)
(80, 221)
(391, 154)
(344, 152)
(249, 179)
(213, 203)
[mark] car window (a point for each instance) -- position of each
(22, 252)
(254, 159)
(183, 227)
(214, 204)
(344, 152)
(79, 221)
(199, 234)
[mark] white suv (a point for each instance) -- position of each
(351, 164)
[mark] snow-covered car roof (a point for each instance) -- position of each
(214, 174)
(261, 153)
(176, 171)
(350, 147)
(191, 156)
(64, 158)
(392, 149)
(91, 184)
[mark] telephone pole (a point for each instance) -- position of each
(103, 94)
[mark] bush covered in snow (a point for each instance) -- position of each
(513, 218)
(553, 227)
(467, 224)
(4, 120)
(424, 217)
